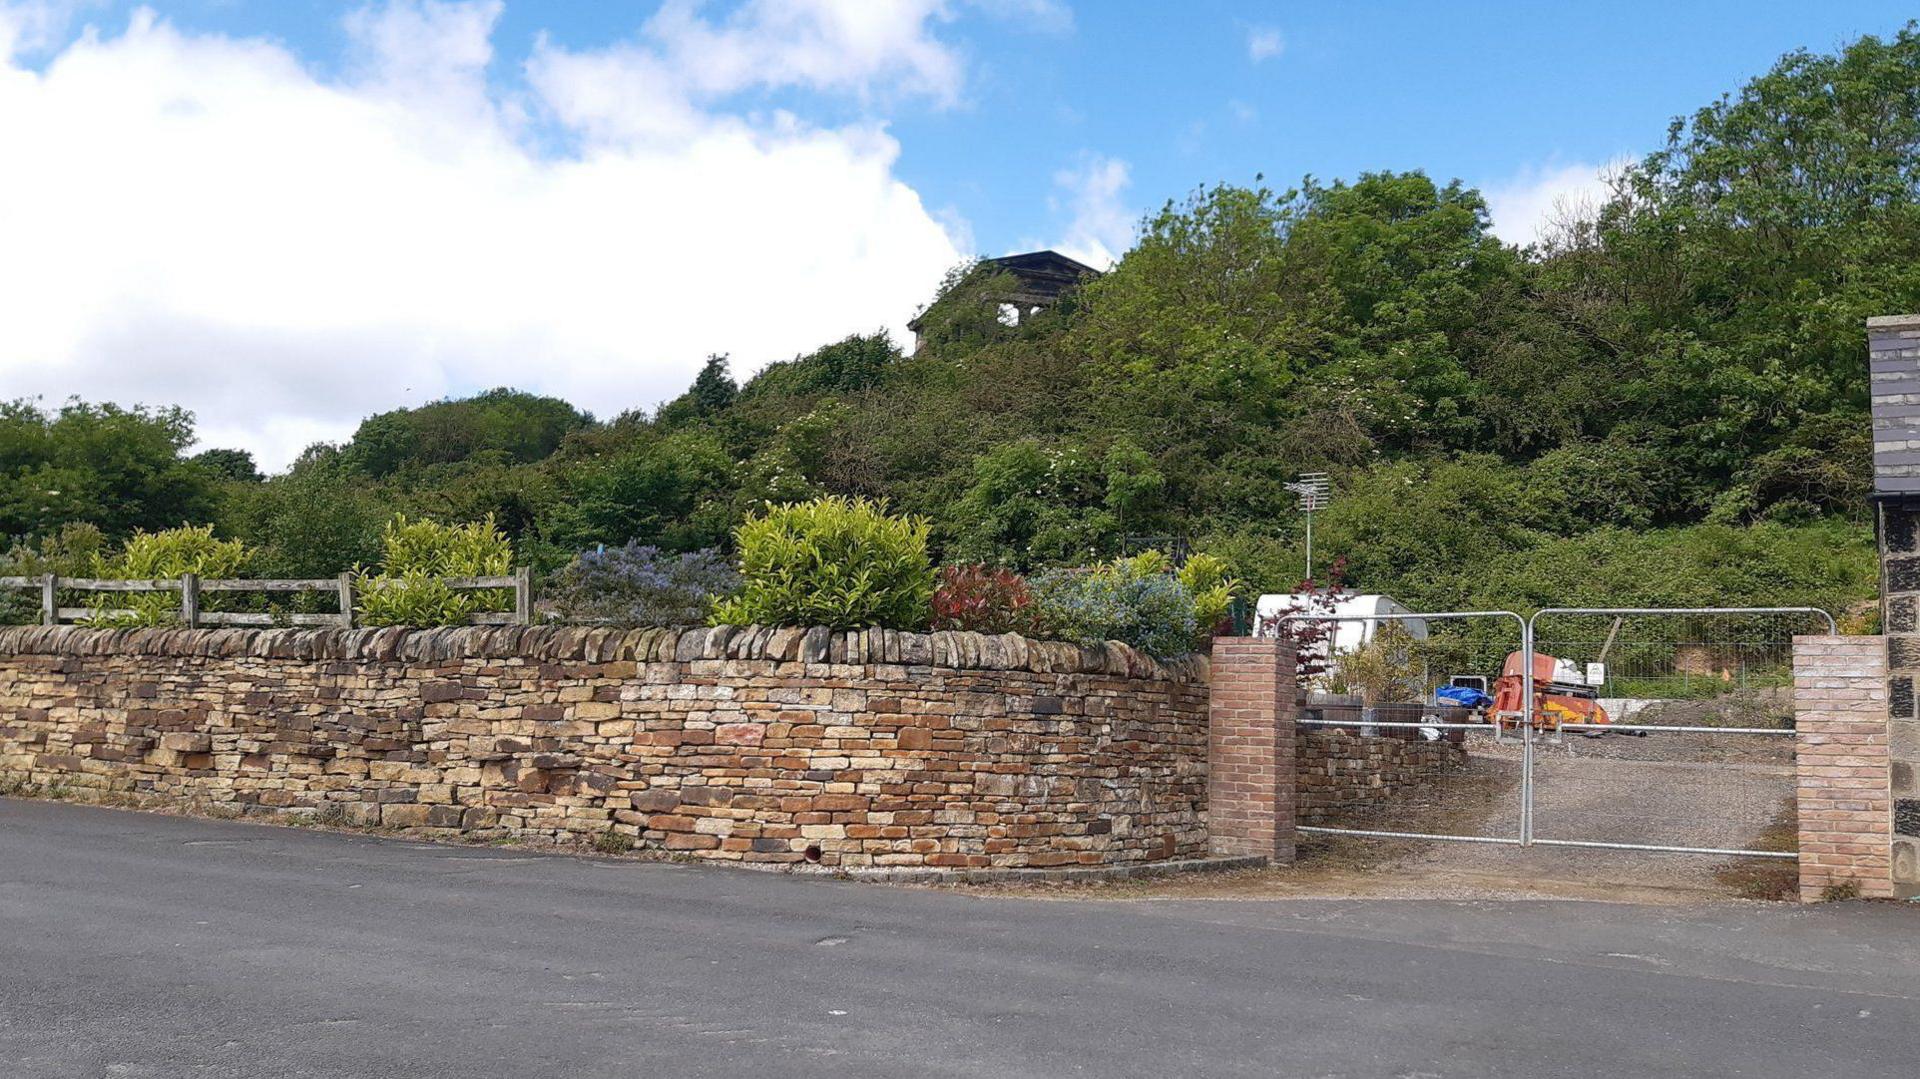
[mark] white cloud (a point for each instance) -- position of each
(1102, 225)
(203, 220)
(30, 26)
(1526, 205)
(1264, 43)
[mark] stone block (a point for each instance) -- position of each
(1900, 527)
(1903, 652)
(1905, 855)
(437, 692)
(740, 734)
(656, 801)
(1902, 574)
(1906, 817)
(399, 815)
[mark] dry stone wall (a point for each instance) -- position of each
(750, 745)
(1346, 777)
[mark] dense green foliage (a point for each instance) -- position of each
(1665, 402)
(119, 469)
(838, 562)
(164, 555)
(410, 588)
(1135, 601)
(504, 425)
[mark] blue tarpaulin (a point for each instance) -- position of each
(1461, 697)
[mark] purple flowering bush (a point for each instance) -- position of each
(638, 585)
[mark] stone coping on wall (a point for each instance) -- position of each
(784, 644)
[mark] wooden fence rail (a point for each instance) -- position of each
(191, 588)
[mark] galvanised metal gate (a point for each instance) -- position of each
(1646, 731)
(1694, 753)
(1380, 765)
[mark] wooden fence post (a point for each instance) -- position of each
(190, 600)
(523, 596)
(346, 601)
(50, 600)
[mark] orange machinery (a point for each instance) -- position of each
(1558, 696)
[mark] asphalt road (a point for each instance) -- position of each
(134, 945)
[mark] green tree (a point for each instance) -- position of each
(119, 468)
(507, 425)
(319, 519)
(1729, 276)
(668, 491)
(235, 465)
(1029, 505)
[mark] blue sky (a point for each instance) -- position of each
(1493, 93)
(287, 215)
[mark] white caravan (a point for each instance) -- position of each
(1365, 611)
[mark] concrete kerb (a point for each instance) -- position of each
(1061, 875)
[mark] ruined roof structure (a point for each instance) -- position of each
(1040, 278)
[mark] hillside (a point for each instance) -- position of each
(1663, 404)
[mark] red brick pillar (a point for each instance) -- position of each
(1250, 749)
(1841, 754)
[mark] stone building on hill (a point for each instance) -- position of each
(1039, 280)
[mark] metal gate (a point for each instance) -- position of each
(1663, 730)
(1694, 750)
(1382, 765)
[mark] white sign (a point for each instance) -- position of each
(1596, 674)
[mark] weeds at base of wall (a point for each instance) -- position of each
(612, 842)
(21, 788)
(1769, 879)
(1841, 892)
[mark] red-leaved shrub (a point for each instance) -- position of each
(982, 599)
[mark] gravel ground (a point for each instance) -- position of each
(1677, 789)
(1694, 790)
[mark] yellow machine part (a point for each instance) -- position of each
(1555, 713)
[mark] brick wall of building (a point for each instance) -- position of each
(862, 749)
(1893, 343)
(1841, 752)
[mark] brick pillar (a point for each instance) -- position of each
(1845, 802)
(1250, 767)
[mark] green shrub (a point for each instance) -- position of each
(1213, 585)
(1135, 601)
(70, 552)
(160, 555)
(1383, 670)
(834, 562)
(410, 589)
